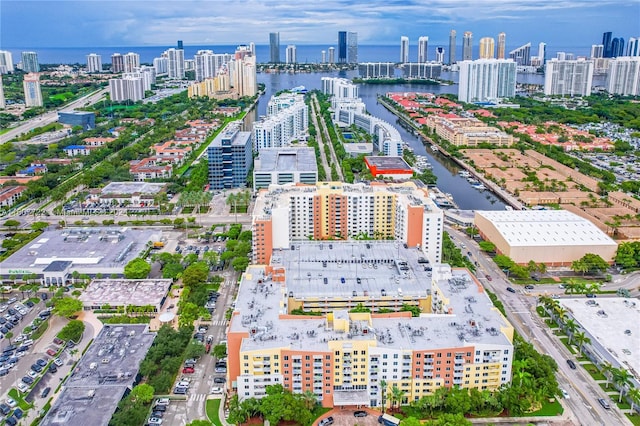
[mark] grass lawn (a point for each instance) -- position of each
(595, 373)
(565, 341)
(549, 409)
(24, 405)
(624, 405)
(319, 411)
(634, 419)
(213, 405)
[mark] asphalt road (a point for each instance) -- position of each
(520, 308)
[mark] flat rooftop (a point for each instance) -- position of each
(286, 160)
(125, 292)
(261, 301)
(123, 188)
(607, 320)
(89, 249)
(98, 382)
(388, 163)
(545, 227)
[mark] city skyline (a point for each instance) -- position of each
(117, 23)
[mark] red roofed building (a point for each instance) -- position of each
(10, 194)
(388, 167)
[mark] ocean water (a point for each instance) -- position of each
(304, 52)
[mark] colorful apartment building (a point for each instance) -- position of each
(343, 357)
(469, 132)
(339, 211)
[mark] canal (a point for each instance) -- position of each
(445, 169)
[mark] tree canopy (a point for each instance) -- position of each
(137, 269)
(66, 306)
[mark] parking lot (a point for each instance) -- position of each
(347, 418)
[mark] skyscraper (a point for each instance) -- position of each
(486, 80)
(633, 48)
(467, 46)
(30, 62)
(32, 92)
(597, 51)
(291, 54)
(487, 48)
(423, 49)
(94, 63)
(404, 49)
(568, 77)
(332, 55)
(252, 48)
(502, 43)
(452, 47)
(617, 47)
(205, 64)
(274, 48)
(352, 47)
(6, 62)
(342, 47)
(131, 61)
(606, 42)
(623, 77)
(175, 63)
(522, 55)
(324, 57)
(440, 54)
(180, 45)
(542, 52)
(117, 63)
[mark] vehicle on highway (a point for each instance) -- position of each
(571, 364)
(487, 276)
(565, 394)
(604, 403)
(590, 295)
(529, 287)
(511, 289)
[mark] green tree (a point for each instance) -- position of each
(622, 379)
(142, 393)
(448, 419)
(172, 270)
(11, 223)
(66, 306)
(199, 423)
(220, 351)
(72, 331)
(195, 349)
(137, 269)
(39, 226)
(240, 264)
(410, 421)
(581, 340)
(196, 273)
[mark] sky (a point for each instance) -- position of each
(104, 23)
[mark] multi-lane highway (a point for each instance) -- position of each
(520, 307)
(51, 116)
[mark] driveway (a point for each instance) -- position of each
(346, 418)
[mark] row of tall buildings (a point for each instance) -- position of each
(347, 50)
(29, 62)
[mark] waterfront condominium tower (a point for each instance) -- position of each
(131, 62)
(423, 48)
(467, 46)
(633, 47)
(342, 47)
(597, 51)
(452, 47)
(440, 54)
(94, 63)
(274, 48)
(175, 63)
(487, 48)
(606, 42)
(290, 56)
(404, 49)
(502, 43)
(30, 62)
(623, 77)
(486, 80)
(617, 47)
(352, 47)
(117, 63)
(521, 55)
(568, 77)
(332, 55)
(6, 62)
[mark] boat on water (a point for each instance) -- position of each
(472, 181)
(479, 186)
(508, 208)
(434, 148)
(464, 173)
(421, 163)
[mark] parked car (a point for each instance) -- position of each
(4, 409)
(219, 379)
(58, 362)
(162, 402)
(45, 392)
(27, 380)
(18, 413)
(188, 370)
(52, 352)
(216, 390)
(326, 422)
(360, 413)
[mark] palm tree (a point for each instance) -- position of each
(309, 399)
(561, 314)
(622, 378)
(396, 395)
(581, 340)
(383, 389)
(570, 327)
(634, 394)
(607, 370)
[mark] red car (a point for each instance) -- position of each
(488, 277)
(188, 370)
(51, 352)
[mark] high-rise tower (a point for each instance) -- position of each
(274, 48)
(606, 42)
(352, 47)
(467, 46)
(342, 47)
(423, 49)
(452, 47)
(32, 92)
(291, 54)
(633, 47)
(440, 54)
(30, 62)
(502, 43)
(94, 63)
(404, 49)
(487, 48)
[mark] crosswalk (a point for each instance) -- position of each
(198, 397)
(219, 322)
